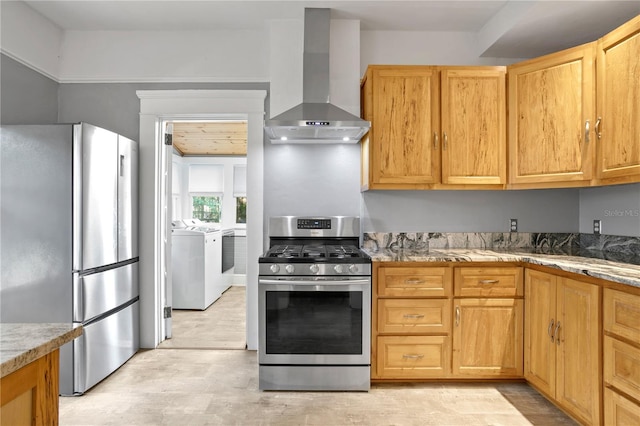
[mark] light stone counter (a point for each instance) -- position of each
(623, 273)
(21, 344)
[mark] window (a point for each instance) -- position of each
(241, 209)
(240, 192)
(206, 208)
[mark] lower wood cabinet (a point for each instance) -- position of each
(562, 342)
(29, 396)
(621, 357)
(411, 318)
(487, 338)
(414, 335)
(577, 342)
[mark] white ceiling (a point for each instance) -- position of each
(514, 28)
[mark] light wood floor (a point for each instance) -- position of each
(220, 387)
(221, 326)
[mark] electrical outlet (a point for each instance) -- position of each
(513, 225)
(597, 227)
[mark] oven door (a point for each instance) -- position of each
(314, 320)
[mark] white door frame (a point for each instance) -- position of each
(157, 106)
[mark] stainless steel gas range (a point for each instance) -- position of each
(314, 302)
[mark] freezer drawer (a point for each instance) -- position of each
(98, 293)
(104, 346)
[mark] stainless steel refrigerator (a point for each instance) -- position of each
(69, 252)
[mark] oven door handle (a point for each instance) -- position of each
(358, 281)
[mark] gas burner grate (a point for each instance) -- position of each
(286, 251)
(343, 251)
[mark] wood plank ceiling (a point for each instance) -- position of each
(210, 137)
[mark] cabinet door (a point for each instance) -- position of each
(619, 411)
(413, 356)
(621, 314)
(621, 366)
(578, 358)
(404, 122)
(414, 282)
(473, 109)
(488, 282)
(414, 316)
(550, 101)
(539, 327)
(487, 337)
(619, 104)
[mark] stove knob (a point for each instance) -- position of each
(274, 268)
(290, 269)
(339, 269)
(314, 268)
(353, 269)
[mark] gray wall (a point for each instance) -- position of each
(309, 180)
(618, 207)
(312, 180)
(471, 211)
(116, 107)
(27, 97)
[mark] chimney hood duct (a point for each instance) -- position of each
(315, 120)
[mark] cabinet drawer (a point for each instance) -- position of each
(619, 411)
(413, 356)
(622, 314)
(414, 282)
(622, 366)
(414, 316)
(488, 282)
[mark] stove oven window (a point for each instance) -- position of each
(304, 322)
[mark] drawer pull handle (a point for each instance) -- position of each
(413, 316)
(413, 356)
(556, 334)
(488, 281)
(414, 281)
(549, 330)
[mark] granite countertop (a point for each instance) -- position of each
(589, 264)
(21, 344)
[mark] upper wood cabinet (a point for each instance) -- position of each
(434, 126)
(551, 109)
(618, 100)
(402, 104)
(473, 119)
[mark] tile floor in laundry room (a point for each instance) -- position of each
(186, 382)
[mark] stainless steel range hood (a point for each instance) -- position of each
(315, 120)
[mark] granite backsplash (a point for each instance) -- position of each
(608, 247)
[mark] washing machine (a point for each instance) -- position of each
(196, 266)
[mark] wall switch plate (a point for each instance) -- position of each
(597, 227)
(513, 225)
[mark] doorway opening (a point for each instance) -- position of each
(156, 107)
(208, 233)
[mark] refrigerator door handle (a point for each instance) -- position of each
(121, 165)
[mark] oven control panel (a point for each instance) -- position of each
(307, 223)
